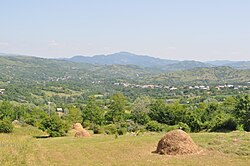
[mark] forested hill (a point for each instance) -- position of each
(123, 58)
(33, 69)
(31, 79)
(126, 58)
(207, 76)
(17, 68)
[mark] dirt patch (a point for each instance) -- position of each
(176, 142)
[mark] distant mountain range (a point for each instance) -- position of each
(126, 58)
(25, 70)
(143, 61)
(123, 58)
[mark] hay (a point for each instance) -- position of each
(78, 127)
(80, 131)
(83, 133)
(176, 142)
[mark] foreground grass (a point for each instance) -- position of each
(216, 149)
(14, 147)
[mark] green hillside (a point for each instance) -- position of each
(216, 75)
(32, 79)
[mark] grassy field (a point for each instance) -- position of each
(23, 148)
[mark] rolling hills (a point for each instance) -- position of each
(32, 79)
(126, 58)
(33, 69)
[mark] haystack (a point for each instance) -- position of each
(80, 131)
(176, 142)
(78, 127)
(83, 133)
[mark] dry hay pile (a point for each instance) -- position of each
(80, 131)
(176, 142)
(83, 133)
(77, 127)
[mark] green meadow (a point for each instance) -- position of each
(27, 146)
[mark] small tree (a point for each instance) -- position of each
(116, 111)
(140, 110)
(74, 115)
(54, 126)
(93, 113)
(242, 112)
(7, 110)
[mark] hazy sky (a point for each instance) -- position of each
(170, 29)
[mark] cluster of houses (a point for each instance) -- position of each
(219, 87)
(200, 87)
(149, 86)
(59, 78)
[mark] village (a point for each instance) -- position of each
(190, 87)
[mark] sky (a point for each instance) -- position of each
(170, 29)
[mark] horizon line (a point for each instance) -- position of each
(108, 54)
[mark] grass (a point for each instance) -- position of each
(22, 148)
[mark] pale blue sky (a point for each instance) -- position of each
(170, 29)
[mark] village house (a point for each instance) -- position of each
(2, 91)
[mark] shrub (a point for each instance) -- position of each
(31, 121)
(121, 131)
(5, 126)
(223, 122)
(154, 126)
(98, 129)
(54, 126)
(240, 127)
(110, 129)
(246, 125)
(183, 126)
(135, 127)
(86, 124)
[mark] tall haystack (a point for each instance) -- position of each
(176, 142)
(80, 131)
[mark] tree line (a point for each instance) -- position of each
(118, 115)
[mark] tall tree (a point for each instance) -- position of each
(116, 111)
(93, 112)
(140, 110)
(242, 111)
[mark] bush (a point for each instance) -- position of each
(246, 125)
(121, 131)
(110, 129)
(54, 126)
(240, 127)
(31, 121)
(98, 129)
(183, 126)
(223, 122)
(5, 126)
(154, 126)
(86, 124)
(135, 127)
